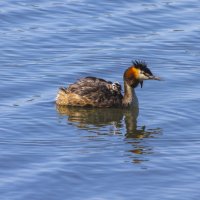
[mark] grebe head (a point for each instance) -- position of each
(137, 73)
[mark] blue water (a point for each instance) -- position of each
(55, 153)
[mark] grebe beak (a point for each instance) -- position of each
(150, 77)
(154, 78)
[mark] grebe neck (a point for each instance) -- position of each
(130, 98)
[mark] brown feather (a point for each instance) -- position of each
(91, 91)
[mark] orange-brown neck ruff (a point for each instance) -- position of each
(131, 73)
(131, 76)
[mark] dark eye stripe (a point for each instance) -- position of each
(147, 74)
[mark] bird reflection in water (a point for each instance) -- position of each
(117, 120)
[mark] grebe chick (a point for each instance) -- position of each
(97, 92)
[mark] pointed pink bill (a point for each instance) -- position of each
(155, 78)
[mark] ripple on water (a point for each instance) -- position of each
(80, 153)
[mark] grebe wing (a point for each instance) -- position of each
(102, 92)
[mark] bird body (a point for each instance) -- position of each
(91, 91)
(97, 92)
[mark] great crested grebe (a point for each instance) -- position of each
(97, 92)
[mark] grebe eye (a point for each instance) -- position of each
(146, 74)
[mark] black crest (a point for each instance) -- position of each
(142, 66)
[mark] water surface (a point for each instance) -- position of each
(68, 153)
